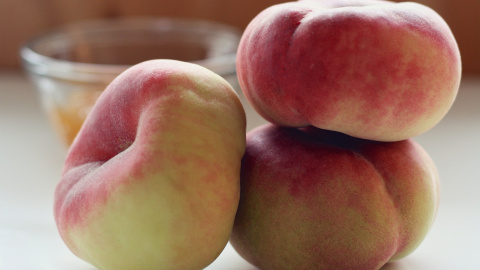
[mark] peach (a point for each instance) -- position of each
(372, 69)
(152, 179)
(317, 199)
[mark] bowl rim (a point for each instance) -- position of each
(42, 65)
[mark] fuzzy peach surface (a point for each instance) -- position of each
(153, 174)
(372, 69)
(314, 199)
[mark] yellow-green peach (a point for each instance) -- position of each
(152, 179)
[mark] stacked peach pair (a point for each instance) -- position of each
(335, 181)
(162, 174)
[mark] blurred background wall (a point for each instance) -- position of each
(463, 17)
(21, 19)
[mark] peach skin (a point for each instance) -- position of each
(371, 69)
(152, 179)
(315, 199)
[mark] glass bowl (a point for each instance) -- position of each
(73, 64)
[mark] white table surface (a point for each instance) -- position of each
(31, 158)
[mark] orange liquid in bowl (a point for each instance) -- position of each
(68, 118)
